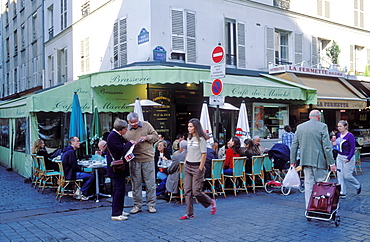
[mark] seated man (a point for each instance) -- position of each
(102, 145)
(72, 170)
(257, 142)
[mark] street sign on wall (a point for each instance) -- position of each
(218, 54)
(217, 87)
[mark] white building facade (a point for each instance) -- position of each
(65, 39)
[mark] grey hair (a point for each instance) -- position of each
(315, 113)
(132, 116)
(256, 137)
(120, 124)
(344, 123)
(183, 144)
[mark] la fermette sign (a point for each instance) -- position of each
(305, 70)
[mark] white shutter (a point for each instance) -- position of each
(177, 21)
(315, 53)
(241, 45)
(82, 56)
(351, 58)
(123, 42)
(115, 45)
(368, 57)
(319, 7)
(191, 47)
(327, 9)
(298, 38)
(270, 52)
(87, 54)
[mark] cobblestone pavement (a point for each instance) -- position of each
(28, 215)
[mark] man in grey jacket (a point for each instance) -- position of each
(316, 155)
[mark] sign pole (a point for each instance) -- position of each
(217, 121)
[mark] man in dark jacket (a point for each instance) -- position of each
(72, 170)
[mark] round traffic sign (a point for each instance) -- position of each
(218, 54)
(217, 86)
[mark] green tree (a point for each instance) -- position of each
(333, 52)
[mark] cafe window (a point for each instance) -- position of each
(4, 132)
(20, 134)
(269, 120)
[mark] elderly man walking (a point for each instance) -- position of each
(316, 155)
(142, 166)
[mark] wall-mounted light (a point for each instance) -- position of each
(188, 84)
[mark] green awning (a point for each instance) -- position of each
(147, 75)
(264, 87)
(59, 99)
(14, 109)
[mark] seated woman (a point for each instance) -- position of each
(233, 151)
(250, 150)
(39, 149)
(161, 154)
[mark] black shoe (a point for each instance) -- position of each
(359, 190)
(342, 196)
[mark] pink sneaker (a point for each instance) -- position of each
(186, 217)
(213, 207)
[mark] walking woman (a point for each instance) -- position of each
(117, 146)
(346, 145)
(194, 169)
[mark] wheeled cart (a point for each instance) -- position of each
(324, 202)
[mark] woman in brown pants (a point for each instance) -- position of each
(194, 169)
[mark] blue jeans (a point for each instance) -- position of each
(228, 171)
(88, 180)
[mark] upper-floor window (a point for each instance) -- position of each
(14, 9)
(51, 21)
(284, 47)
(6, 13)
(63, 14)
(15, 43)
(358, 59)
(51, 71)
(183, 36)
(62, 65)
(120, 43)
(85, 9)
(323, 8)
(23, 4)
(7, 46)
(23, 37)
(34, 27)
(85, 55)
(359, 13)
(235, 43)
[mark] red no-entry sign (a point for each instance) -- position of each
(217, 86)
(218, 54)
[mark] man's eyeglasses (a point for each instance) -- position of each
(132, 124)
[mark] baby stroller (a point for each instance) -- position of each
(279, 154)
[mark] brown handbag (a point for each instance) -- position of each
(117, 165)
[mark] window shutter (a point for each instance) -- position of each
(115, 45)
(361, 19)
(368, 57)
(177, 30)
(82, 56)
(123, 42)
(327, 9)
(298, 38)
(87, 54)
(319, 7)
(351, 58)
(191, 47)
(315, 53)
(270, 53)
(241, 45)
(356, 18)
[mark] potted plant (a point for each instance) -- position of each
(333, 53)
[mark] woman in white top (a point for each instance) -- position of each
(194, 169)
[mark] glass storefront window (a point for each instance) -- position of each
(20, 134)
(4, 132)
(269, 120)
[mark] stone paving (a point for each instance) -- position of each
(28, 215)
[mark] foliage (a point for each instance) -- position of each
(333, 52)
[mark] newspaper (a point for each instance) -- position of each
(130, 153)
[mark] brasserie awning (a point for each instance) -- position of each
(14, 109)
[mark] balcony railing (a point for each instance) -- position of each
(51, 32)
